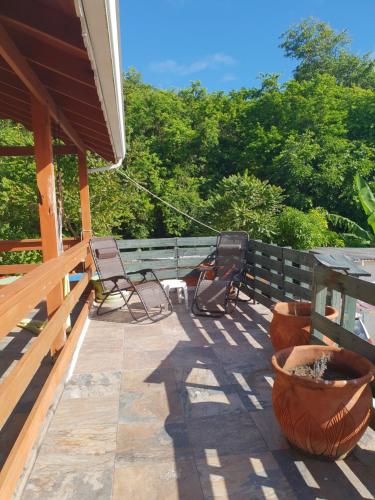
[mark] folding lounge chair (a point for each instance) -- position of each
(218, 296)
(113, 278)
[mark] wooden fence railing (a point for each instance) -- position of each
(17, 300)
(168, 257)
(350, 289)
(273, 274)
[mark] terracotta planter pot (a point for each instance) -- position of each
(323, 418)
(290, 325)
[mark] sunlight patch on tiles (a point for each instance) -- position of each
(306, 474)
(354, 480)
(258, 467)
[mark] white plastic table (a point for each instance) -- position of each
(181, 288)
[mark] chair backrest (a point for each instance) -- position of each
(231, 252)
(107, 260)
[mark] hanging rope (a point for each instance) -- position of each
(139, 186)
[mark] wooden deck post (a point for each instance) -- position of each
(45, 176)
(84, 195)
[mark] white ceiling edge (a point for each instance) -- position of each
(101, 34)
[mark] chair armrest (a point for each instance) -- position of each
(115, 278)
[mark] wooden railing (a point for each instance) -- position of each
(272, 274)
(168, 257)
(350, 289)
(17, 300)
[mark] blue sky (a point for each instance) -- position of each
(226, 44)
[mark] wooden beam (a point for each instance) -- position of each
(19, 298)
(84, 196)
(60, 149)
(45, 177)
(58, 61)
(53, 27)
(30, 432)
(14, 58)
(30, 244)
(16, 269)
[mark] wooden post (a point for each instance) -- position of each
(84, 196)
(45, 177)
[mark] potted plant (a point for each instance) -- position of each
(322, 398)
(290, 325)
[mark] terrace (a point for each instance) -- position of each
(110, 408)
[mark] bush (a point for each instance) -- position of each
(243, 202)
(304, 231)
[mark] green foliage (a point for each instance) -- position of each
(355, 235)
(320, 49)
(243, 202)
(229, 159)
(305, 230)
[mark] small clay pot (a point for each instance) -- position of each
(290, 325)
(322, 418)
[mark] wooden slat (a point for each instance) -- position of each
(53, 27)
(266, 262)
(197, 241)
(298, 274)
(17, 268)
(146, 255)
(20, 297)
(354, 287)
(195, 251)
(84, 194)
(342, 336)
(19, 378)
(265, 274)
(299, 257)
(266, 248)
(298, 291)
(30, 244)
(268, 289)
(151, 243)
(29, 434)
(12, 55)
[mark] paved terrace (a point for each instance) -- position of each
(181, 409)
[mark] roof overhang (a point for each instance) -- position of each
(65, 53)
(101, 34)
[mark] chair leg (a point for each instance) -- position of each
(114, 288)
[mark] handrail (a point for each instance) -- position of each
(20, 297)
(16, 301)
(30, 244)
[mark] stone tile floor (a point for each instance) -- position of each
(181, 409)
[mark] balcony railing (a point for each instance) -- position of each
(273, 274)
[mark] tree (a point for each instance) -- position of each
(356, 235)
(320, 49)
(243, 202)
(304, 231)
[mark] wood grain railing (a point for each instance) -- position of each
(30, 244)
(17, 300)
(168, 257)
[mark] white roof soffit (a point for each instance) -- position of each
(101, 33)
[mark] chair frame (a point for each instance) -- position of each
(230, 300)
(132, 288)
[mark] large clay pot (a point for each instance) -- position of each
(290, 325)
(323, 418)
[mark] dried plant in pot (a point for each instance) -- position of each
(322, 398)
(290, 325)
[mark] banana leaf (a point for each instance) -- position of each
(367, 199)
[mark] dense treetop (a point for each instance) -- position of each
(272, 160)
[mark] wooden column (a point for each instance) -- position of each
(45, 176)
(84, 195)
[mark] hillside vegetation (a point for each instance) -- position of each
(273, 160)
